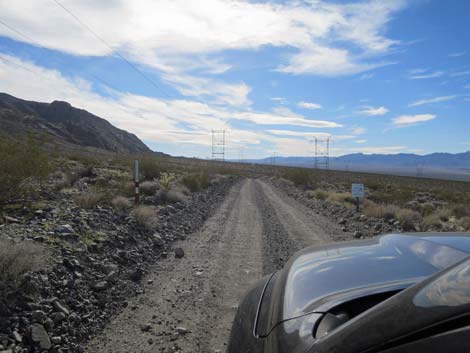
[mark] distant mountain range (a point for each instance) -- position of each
(439, 165)
(60, 122)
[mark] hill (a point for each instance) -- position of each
(61, 122)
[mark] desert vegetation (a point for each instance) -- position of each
(414, 203)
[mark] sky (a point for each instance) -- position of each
(374, 76)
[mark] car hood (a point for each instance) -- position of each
(318, 278)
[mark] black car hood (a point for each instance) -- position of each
(317, 278)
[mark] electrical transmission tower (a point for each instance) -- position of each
(419, 171)
(322, 153)
(218, 145)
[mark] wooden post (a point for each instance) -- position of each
(358, 201)
(136, 180)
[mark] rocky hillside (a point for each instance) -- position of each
(62, 123)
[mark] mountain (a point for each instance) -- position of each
(60, 122)
(436, 165)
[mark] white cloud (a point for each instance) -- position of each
(358, 131)
(371, 111)
(177, 35)
(423, 75)
(432, 100)
(177, 121)
(231, 94)
(460, 73)
(456, 55)
(309, 105)
(360, 141)
(466, 87)
(406, 120)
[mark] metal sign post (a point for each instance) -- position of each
(357, 191)
(136, 180)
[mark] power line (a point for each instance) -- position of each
(29, 39)
(83, 24)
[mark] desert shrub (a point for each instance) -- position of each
(16, 259)
(174, 196)
(343, 198)
(460, 211)
(88, 200)
(120, 203)
(320, 194)
(386, 212)
(196, 182)
(166, 180)
(149, 168)
(427, 208)
(408, 218)
(299, 176)
(444, 214)
(148, 188)
(21, 165)
(465, 223)
(432, 221)
(145, 216)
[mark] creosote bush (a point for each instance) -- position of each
(150, 168)
(16, 259)
(21, 165)
(120, 203)
(145, 216)
(196, 182)
(320, 194)
(299, 176)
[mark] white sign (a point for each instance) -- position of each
(357, 190)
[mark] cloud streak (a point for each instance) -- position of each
(407, 120)
(371, 111)
(432, 101)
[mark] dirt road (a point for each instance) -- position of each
(189, 303)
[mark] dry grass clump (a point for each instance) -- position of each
(432, 221)
(173, 196)
(120, 203)
(148, 188)
(465, 223)
(342, 198)
(16, 259)
(145, 216)
(408, 218)
(88, 200)
(386, 212)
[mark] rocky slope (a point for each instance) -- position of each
(62, 123)
(99, 257)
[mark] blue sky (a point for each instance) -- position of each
(384, 76)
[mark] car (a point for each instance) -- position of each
(393, 294)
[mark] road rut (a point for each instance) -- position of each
(188, 304)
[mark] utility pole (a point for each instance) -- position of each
(218, 145)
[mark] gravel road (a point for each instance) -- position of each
(188, 304)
